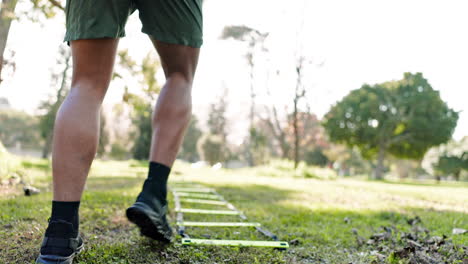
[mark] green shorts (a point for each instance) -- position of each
(170, 21)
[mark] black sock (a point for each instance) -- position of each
(156, 183)
(66, 211)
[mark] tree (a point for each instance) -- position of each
(8, 163)
(217, 118)
(277, 132)
(212, 149)
(103, 136)
(452, 165)
(19, 127)
(316, 157)
(255, 41)
(142, 105)
(451, 148)
(347, 161)
(188, 150)
(403, 118)
(51, 106)
(305, 134)
(7, 15)
(299, 94)
(259, 146)
(301, 128)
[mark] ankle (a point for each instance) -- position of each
(66, 212)
(61, 229)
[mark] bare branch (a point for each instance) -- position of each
(57, 4)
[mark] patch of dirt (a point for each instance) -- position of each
(417, 246)
(7, 190)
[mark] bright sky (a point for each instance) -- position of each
(360, 41)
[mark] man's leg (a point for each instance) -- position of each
(76, 129)
(174, 108)
(170, 120)
(76, 135)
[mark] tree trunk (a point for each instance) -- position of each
(47, 146)
(296, 136)
(298, 95)
(278, 133)
(249, 153)
(379, 169)
(60, 98)
(457, 175)
(7, 12)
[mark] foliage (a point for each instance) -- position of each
(311, 134)
(217, 118)
(404, 168)
(348, 161)
(316, 157)
(281, 134)
(255, 41)
(118, 151)
(241, 33)
(7, 9)
(103, 136)
(50, 107)
(451, 148)
(452, 165)
(8, 163)
(46, 8)
(188, 150)
(259, 146)
(49, 8)
(142, 122)
(212, 149)
(19, 127)
(403, 118)
(141, 104)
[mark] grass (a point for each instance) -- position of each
(311, 211)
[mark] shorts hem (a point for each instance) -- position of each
(72, 37)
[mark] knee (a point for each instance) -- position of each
(176, 112)
(175, 102)
(91, 90)
(180, 78)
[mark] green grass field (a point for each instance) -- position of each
(321, 216)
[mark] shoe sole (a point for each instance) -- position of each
(50, 259)
(146, 225)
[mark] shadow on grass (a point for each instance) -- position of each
(425, 184)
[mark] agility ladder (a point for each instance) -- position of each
(202, 195)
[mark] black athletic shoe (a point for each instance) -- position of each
(56, 248)
(149, 215)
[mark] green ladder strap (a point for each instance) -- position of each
(201, 201)
(235, 243)
(197, 195)
(220, 224)
(202, 211)
(195, 190)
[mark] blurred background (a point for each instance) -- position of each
(328, 89)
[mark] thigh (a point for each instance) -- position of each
(177, 58)
(93, 61)
(173, 21)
